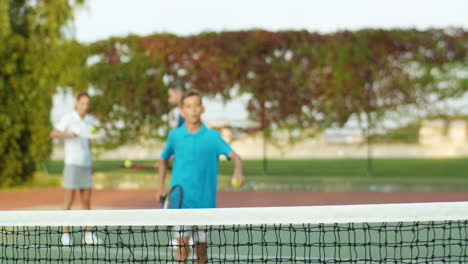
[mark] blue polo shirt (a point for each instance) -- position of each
(196, 165)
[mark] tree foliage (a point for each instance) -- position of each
(130, 98)
(296, 79)
(30, 71)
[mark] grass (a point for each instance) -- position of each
(312, 174)
(382, 168)
(40, 180)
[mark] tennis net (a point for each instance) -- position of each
(390, 233)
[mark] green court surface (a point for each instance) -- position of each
(423, 242)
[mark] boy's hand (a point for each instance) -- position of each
(70, 134)
(161, 192)
(239, 178)
(157, 165)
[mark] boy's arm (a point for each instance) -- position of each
(166, 154)
(237, 167)
(161, 190)
(60, 130)
(59, 134)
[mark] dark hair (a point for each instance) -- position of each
(82, 94)
(179, 85)
(189, 94)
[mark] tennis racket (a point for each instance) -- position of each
(166, 201)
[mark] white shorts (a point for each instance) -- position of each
(198, 233)
(77, 177)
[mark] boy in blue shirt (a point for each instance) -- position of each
(197, 150)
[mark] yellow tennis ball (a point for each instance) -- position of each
(93, 129)
(235, 183)
(128, 163)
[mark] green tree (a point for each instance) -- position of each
(130, 99)
(298, 81)
(31, 67)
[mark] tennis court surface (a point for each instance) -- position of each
(385, 233)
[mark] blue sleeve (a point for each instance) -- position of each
(168, 150)
(222, 146)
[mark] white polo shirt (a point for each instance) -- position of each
(77, 149)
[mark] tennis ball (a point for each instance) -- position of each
(128, 164)
(235, 183)
(93, 129)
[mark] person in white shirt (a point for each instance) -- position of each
(78, 170)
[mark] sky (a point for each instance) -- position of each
(101, 19)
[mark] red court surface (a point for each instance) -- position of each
(51, 198)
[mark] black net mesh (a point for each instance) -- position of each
(400, 242)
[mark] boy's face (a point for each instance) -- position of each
(82, 105)
(174, 95)
(192, 109)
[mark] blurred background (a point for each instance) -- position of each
(334, 95)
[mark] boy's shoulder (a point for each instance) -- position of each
(212, 132)
(176, 131)
(180, 131)
(69, 115)
(66, 118)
